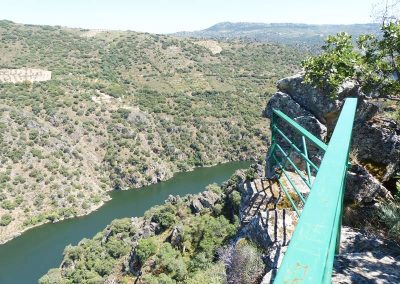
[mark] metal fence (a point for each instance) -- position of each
(310, 255)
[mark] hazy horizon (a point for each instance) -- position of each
(267, 23)
(161, 16)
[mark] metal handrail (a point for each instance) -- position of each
(310, 255)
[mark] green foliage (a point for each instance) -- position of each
(145, 249)
(122, 227)
(117, 248)
(205, 234)
(115, 90)
(171, 262)
(5, 219)
(236, 199)
(337, 63)
(389, 215)
(53, 277)
(374, 64)
(163, 215)
(8, 205)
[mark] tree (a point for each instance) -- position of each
(386, 11)
(374, 64)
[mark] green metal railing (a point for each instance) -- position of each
(310, 255)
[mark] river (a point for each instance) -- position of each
(26, 258)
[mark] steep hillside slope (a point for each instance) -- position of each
(122, 110)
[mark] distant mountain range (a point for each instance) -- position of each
(281, 33)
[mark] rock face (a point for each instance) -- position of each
(267, 220)
(366, 259)
(376, 140)
(206, 199)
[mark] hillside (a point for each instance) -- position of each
(286, 33)
(122, 110)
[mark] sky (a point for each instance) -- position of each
(167, 16)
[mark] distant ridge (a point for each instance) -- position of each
(288, 33)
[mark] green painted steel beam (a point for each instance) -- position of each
(290, 180)
(305, 157)
(296, 169)
(309, 257)
(317, 142)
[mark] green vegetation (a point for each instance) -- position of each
(170, 244)
(374, 64)
(123, 110)
(5, 219)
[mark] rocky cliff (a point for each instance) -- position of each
(375, 154)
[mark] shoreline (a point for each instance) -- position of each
(108, 192)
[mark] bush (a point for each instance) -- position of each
(170, 261)
(145, 249)
(8, 205)
(5, 219)
(389, 216)
(122, 226)
(164, 215)
(117, 248)
(243, 263)
(52, 277)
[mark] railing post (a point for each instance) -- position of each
(306, 154)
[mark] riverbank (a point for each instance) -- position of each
(41, 248)
(9, 233)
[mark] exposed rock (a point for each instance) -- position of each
(266, 221)
(206, 199)
(309, 98)
(24, 74)
(362, 187)
(173, 199)
(376, 140)
(271, 227)
(196, 205)
(366, 259)
(291, 108)
(176, 237)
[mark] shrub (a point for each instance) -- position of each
(170, 261)
(145, 249)
(116, 247)
(164, 215)
(8, 205)
(243, 263)
(5, 219)
(389, 216)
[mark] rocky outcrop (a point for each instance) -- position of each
(205, 200)
(24, 74)
(376, 139)
(267, 219)
(366, 259)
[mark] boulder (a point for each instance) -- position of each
(291, 108)
(205, 200)
(362, 187)
(176, 237)
(311, 99)
(377, 141)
